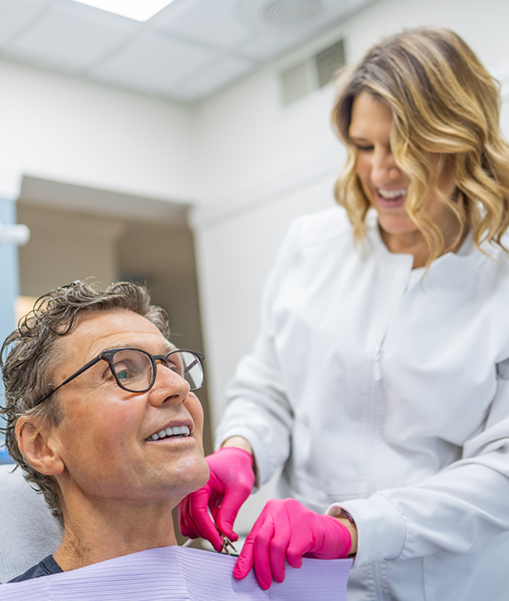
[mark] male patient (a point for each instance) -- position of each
(102, 418)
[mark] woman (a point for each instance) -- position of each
(380, 378)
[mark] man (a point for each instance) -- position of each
(102, 418)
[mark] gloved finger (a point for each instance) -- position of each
(198, 515)
(186, 525)
(215, 490)
(280, 520)
(306, 541)
(296, 549)
(227, 513)
(245, 560)
(233, 536)
(213, 511)
(301, 534)
(278, 549)
(262, 558)
(209, 532)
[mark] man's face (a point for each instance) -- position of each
(104, 436)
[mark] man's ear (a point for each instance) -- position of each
(36, 443)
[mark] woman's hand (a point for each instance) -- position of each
(288, 531)
(230, 484)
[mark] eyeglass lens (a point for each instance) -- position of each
(134, 370)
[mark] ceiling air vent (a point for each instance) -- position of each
(313, 73)
(328, 62)
(292, 12)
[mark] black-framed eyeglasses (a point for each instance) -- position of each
(134, 370)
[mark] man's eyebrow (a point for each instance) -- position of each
(167, 346)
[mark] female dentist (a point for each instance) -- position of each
(380, 377)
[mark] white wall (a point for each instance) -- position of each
(59, 128)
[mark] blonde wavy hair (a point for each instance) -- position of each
(445, 103)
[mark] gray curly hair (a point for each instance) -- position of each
(32, 352)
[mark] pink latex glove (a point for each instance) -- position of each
(230, 484)
(286, 530)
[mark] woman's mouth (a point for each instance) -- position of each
(391, 199)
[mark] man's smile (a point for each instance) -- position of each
(182, 431)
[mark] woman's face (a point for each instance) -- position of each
(384, 183)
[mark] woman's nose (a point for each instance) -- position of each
(383, 167)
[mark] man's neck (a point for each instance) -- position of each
(94, 534)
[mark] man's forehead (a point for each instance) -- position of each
(102, 330)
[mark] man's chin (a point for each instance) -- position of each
(202, 477)
(192, 475)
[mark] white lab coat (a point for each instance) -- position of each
(387, 394)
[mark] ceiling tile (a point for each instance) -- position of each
(206, 81)
(214, 23)
(71, 38)
(15, 15)
(264, 46)
(153, 60)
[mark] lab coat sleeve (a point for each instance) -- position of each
(460, 509)
(257, 406)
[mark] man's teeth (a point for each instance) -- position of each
(168, 432)
(390, 194)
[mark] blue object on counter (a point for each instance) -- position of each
(4, 456)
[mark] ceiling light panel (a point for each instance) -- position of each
(139, 10)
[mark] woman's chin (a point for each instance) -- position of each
(395, 225)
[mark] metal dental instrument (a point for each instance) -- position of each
(224, 547)
(227, 543)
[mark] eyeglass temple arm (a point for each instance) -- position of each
(199, 358)
(70, 378)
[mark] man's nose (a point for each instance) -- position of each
(168, 386)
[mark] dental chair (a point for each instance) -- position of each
(28, 531)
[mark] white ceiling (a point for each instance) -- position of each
(188, 51)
